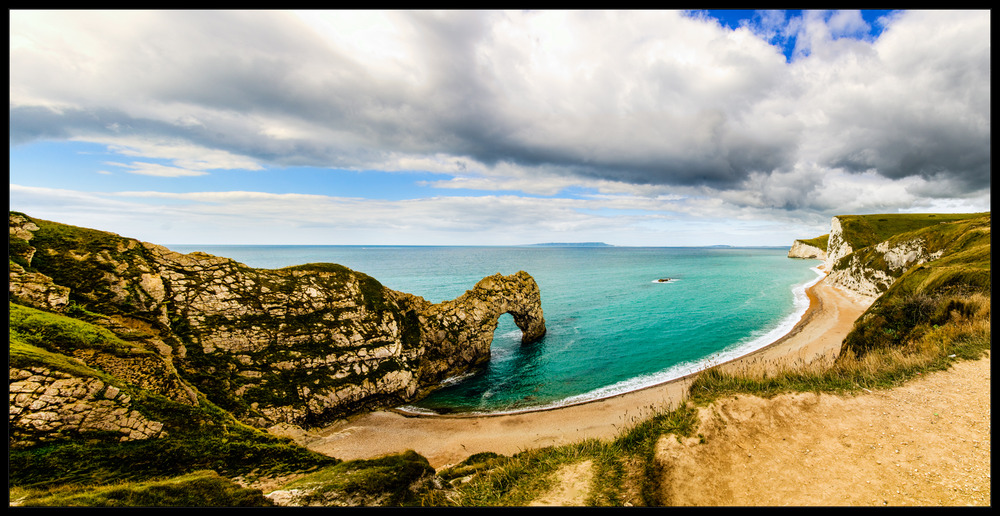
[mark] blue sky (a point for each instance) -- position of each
(660, 128)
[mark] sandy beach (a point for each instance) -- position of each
(445, 440)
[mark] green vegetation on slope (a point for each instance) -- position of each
(819, 242)
(861, 231)
(197, 489)
(932, 294)
(62, 334)
(200, 437)
(390, 480)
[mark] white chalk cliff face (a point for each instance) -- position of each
(803, 250)
(870, 271)
(836, 247)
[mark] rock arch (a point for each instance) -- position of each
(458, 333)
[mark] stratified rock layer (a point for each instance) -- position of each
(301, 345)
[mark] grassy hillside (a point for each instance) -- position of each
(932, 295)
(197, 489)
(200, 437)
(864, 230)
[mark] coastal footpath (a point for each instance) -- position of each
(302, 345)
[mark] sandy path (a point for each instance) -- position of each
(447, 440)
(924, 443)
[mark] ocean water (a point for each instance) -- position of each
(612, 328)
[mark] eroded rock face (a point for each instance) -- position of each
(47, 405)
(301, 345)
(836, 246)
(458, 333)
(870, 271)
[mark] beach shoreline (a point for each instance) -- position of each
(813, 305)
(449, 438)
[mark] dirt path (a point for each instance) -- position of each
(924, 443)
(572, 486)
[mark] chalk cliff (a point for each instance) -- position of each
(859, 261)
(918, 272)
(866, 254)
(301, 345)
(801, 249)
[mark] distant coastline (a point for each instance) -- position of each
(570, 244)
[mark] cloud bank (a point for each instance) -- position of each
(643, 103)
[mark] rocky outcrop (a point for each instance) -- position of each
(38, 290)
(871, 270)
(801, 249)
(301, 345)
(31, 288)
(48, 405)
(458, 333)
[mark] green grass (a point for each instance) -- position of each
(513, 481)
(624, 469)
(101, 462)
(861, 231)
(385, 481)
(197, 489)
(883, 368)
(21, 354)
(819, 242)
(924, 296)
(61, 334)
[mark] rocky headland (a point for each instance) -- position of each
(301, 345)
(807, 250)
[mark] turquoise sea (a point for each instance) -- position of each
(612, 328)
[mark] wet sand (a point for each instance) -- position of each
(445, 440)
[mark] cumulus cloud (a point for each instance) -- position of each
(528, 101)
